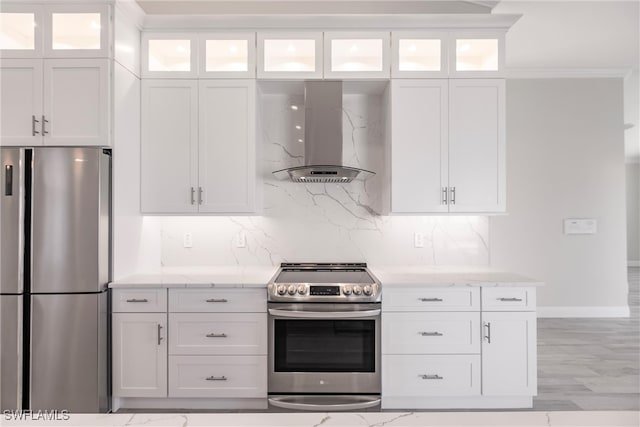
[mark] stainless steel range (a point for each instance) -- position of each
(324, 337)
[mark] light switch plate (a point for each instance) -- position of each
(580, 226)
(418, 240)
(187, 240)
(241, 240)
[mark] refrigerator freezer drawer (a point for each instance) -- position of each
(11, 354)
(69, 352)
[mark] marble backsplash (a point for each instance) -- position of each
(323, 222)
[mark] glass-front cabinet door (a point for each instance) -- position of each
(477, 54)
(419, 54)
(227, 55)
(169, 55)
(57, 31)
(290, 55)
(356, 55)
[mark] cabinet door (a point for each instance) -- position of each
(139, 355)
(357, 55)
(76, 102)
(169, 174)
(21, 30)
(509, 362)
(20, 102)
(227, 147)
(477, 162)
(419, 146)
(77, 31)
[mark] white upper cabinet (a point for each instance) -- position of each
(227, 55)
(419, 54)
(356, 55)
(56, 31)
(448, 146)
(477, 54)
(169, 55)
(290, 55)
(21, 101)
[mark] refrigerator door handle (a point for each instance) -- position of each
(8, 180)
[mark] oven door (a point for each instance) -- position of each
(324, 348)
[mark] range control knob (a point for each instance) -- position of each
(302, 289)
(368, 290)
(346, 290)
(357, 290)
(292, 289)
(282, 289)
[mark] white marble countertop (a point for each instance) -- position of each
(259, 276)
(335, 419)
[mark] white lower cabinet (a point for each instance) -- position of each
(479, 353)
(218, 376)
(139, 354)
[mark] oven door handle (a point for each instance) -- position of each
(324, 314)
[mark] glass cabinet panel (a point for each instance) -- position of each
(169, 55)
(72, 31)
(477, 55)
(226, 55)
(356, 55)
(419, 55)
(17, 31)
(289, 55)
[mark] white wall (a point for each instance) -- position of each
(632, 116)
(633, 214)
(565, 160)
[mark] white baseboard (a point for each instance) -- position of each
(617, 311)
(633, 263)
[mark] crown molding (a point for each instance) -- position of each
(132, 11)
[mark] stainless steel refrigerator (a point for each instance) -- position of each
(63, 256)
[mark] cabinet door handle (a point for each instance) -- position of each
(431, 377)
(510, 299)
(138, 300)
(217, 300)
(430, 299)
(430, 334)
(212, 378)
(34, 132)
(159, 334)
(44, 129)
(453, 195)
(193, 196)
(488, 336)
(444, 195)
(200, 191)
(216, 335)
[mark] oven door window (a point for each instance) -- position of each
(324, 345)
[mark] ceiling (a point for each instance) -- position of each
(551, 34)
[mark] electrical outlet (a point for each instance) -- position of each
(187, 240)
(241, 240)
(418, 240)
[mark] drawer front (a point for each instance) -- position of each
(417, 376)
(508, 299)
(139, 300)
(218, 376)
(431, 333)
(218, 334)
(431, 299)
(218, 300)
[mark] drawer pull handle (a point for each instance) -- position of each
(488, 336)
(160, 338)
(430, 334)
(217, 300)
(431, 299)
(510, 299)
(138, 300)
(212, 378)
(216, 335)
(431, 377)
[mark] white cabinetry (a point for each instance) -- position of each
(448, 146)
(139, 345)
(283, 55)
(509, 362)
(55, 102)
(356, 55)
(198, 146)
(440, 350)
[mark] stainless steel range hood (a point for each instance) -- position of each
(323, 138)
